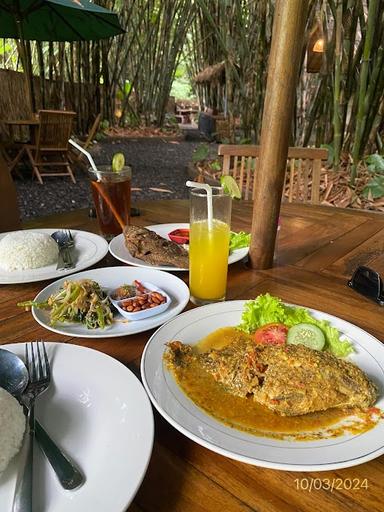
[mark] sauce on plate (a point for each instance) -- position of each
(247, 415)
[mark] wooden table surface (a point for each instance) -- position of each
(23, 122)
(318, 249)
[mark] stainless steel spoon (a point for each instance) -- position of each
(14, 379)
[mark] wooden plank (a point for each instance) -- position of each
(254, 151)
(337, 248)
(291, 179)
(235, 164)
(240, 181)
(299, 178)
(369, 253)
(171, 484)
(306, 180)
(254, 177)
(226, 164)
(270, 490)
(316, 171)
(248, 179)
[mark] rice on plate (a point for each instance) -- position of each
(24, 250)
(12, 427)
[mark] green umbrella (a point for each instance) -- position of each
(55, 20)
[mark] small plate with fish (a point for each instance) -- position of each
(293, 405)
(152, 247)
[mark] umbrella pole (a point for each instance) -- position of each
(26, 62)
(284, 62)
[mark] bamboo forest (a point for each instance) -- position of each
(220, 50)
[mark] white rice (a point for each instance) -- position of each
(12, 427)
(23, 250)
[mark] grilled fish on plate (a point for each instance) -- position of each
(150, 247)
(291, 380)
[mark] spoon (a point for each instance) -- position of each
(14, 378)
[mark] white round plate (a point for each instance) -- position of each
(98, 412)
(183, 414)
(110, 278)
(89, 249)
(120, 252)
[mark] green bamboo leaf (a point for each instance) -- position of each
(200, 153)
(375, 163)
(374, 188)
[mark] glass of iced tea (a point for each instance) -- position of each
(112, 197)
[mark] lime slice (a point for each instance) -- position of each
(230, 186)
(118, 162)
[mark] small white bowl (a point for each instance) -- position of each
(144, 313)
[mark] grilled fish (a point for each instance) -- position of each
(148, 246)
(291, 380)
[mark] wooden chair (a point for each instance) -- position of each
(51, 148)
(77, 157)
(303, 170)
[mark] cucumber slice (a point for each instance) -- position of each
(306, 334)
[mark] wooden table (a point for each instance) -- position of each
(318, 248)
(31, 124)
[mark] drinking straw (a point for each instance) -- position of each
(82, 150)
(109, 203)
(208, 189)
(97, 186)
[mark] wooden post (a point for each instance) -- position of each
(284, 61)
(9, 210)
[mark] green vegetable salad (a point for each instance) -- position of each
(239, 240)
(267, 309)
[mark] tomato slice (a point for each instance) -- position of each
(271, 334)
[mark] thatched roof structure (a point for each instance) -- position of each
(214, 73)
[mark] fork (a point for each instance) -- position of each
(65, 241)
(68, 244)
(39, 379)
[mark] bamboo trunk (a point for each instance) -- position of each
(337, 81)
(284, 62)
(362, 106)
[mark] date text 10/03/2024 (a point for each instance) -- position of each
(330, 484)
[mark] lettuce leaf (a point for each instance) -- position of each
(239, 240)
(268, 309)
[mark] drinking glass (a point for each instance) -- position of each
(209, 246)
(112, 197)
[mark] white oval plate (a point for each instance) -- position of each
(184, 415)
(110, 278)
(89, 249)
(120, 252)
(98, 411)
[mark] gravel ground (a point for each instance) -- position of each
(156, 164)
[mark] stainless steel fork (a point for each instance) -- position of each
(39, 378)
(68, 244)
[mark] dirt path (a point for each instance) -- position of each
(159, 172)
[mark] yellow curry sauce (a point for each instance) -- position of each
(247, 415)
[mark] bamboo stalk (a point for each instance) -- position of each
(337, 80)
(360, 118)
(283, 67)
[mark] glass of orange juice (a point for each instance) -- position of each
(209, 246)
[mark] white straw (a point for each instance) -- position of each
(208, 189)
(82, 150)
